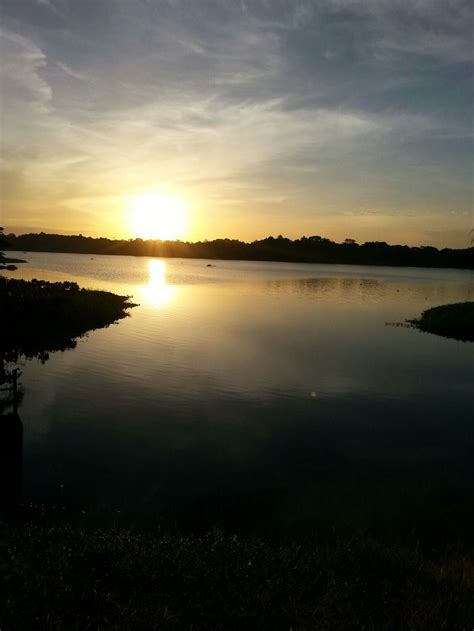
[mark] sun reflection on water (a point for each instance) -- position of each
(157, 293)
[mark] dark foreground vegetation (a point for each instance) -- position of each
(455, 320)
(314, 249)
(37, 316)
(72, 577)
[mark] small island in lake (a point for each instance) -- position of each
(38, 317)
(454, 320)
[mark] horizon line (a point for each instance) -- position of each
(279, 236)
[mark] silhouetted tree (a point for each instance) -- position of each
(3, 243)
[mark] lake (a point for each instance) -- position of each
(256, 396)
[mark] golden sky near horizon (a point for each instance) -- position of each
(240, 120)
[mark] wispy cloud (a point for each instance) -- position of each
(70, 72)
(246, 104)
(22, 61)
(48, 4)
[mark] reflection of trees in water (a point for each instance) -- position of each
(388, 289)
(312, 287)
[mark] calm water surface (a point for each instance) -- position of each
(256, 396)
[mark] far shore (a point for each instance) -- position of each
(246, 260)
(313, 249)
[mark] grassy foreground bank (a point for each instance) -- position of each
(454, 320)
(70, 577)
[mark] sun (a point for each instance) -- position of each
(158, 216)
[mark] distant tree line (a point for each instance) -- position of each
(314, 249)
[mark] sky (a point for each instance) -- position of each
(341, 118)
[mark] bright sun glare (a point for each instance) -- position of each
(157, 292)
(158, 216)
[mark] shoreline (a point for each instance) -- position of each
(250, 260)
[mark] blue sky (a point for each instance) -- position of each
(332, 117)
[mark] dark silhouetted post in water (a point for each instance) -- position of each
(11, 453)
(11, 463)
(15, 390)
